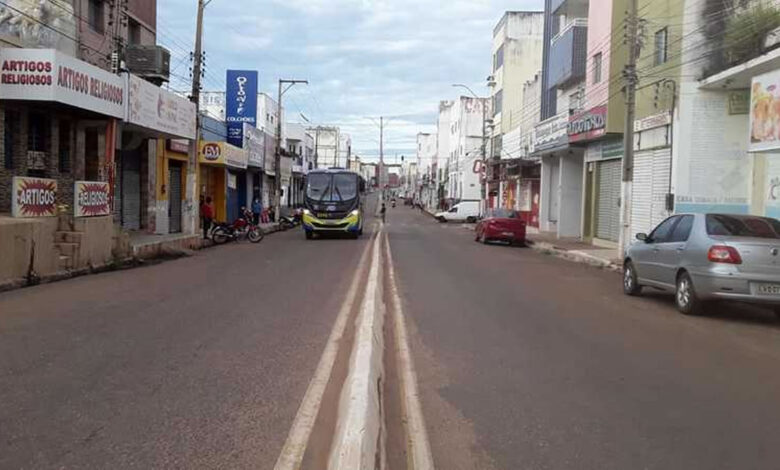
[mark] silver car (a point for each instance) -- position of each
(702, 257)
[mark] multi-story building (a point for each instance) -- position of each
(427, 182)
(326, 146)
(517, 58)
(443, 154)
(465, 144)
(564, 52)
(345, 151)
(300, 148)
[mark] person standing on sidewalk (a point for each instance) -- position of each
(207, 213)
(382, 211)
(257, 209)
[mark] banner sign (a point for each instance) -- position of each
(240, 104)
(651, 122)
(551, 133)
(223, 154)
(588, 125)
(91, 198)
(152, 107)
(764, 107)
(254, 144)
(34, 197)
(48, 75)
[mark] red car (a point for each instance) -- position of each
(501, 225)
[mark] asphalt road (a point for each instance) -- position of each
(526, 361)
(200, 362)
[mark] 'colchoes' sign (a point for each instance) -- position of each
(34, 197)
(588, 125)
(240, 103)
(91, 199)
(48, 75)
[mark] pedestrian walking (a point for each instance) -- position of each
(257, 209)
(382, 211)
(207, 214)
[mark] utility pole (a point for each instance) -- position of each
(381, 155)
(192, 154)
(278, 157)
(630, 76)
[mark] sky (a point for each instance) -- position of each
(363, 58)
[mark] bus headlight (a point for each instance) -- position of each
(355, 212)
(306, 212)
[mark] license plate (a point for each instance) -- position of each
(768, 289)
(322, 215)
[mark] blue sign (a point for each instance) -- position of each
(240, 104)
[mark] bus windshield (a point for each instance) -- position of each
(339, 187)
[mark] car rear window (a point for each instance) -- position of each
(503, 213)
(734, 226)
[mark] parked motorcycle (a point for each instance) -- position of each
(243, 227)
(290, 221)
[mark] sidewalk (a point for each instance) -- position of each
(575, 249)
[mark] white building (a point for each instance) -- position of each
(345, 151)
(464, 145)
(427, 182)
(326, 146)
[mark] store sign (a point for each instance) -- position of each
(179, 145)
(588, 125)
(739, 102)
(152, 107)
(254, 144)
(36, 160)
(222, 153)
(48, 75)
(551, 133)
(34, 197)
(91, 199)
(240, 104)
(651, 122)
(764, 105)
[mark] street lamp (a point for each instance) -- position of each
(484, 145)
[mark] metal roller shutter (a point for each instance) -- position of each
(174, 197)
(651, 184)
(131, 191)
(608, 208)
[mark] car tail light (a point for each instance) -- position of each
(724, 254)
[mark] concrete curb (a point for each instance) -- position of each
(358, 442)
(574, 255)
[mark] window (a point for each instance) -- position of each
(133, 31)
(38, 132)
(662, 232)
(575, 102)
(660, 46)
(499, 57)
(597, 68)
(683, 230)
(9, 136)
(740, 226)
(498, 99)
(96, 16)
(64, 156)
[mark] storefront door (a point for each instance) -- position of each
(608, 199)
(131, 190)
(174, 196)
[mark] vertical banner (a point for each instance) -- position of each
(240, 104)
(34, 197)
(91, 198)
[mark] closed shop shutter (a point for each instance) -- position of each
(131, 191)
(174, 196)
(651, 184)
(607, 204)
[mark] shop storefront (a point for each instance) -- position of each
(764, 144)
(222, 176)
(59, 118)
(254, 144)
(603, 174)
(154, 191)
(651, 192)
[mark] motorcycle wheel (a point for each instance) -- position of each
(220, 236)
(255, 235)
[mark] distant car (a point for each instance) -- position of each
(464, 211)
(501, 225)
(702, 257)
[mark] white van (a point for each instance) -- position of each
(464, 211)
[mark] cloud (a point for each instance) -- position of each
(363, 58)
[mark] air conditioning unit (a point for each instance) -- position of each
(150, 62)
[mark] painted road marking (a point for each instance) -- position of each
(417, 444)
(295, 445)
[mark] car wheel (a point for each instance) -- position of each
(630, 283)
(777, 312)
(685, 296)
(471, 220)
(476, 238)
